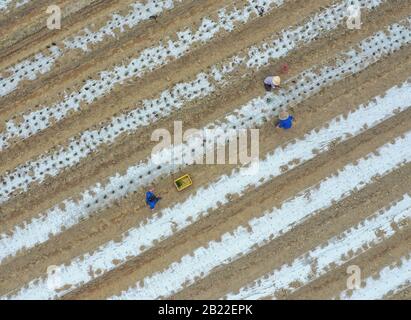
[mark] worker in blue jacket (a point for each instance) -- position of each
(285, 120)
(151, 199)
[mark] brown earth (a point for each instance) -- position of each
(110, 223)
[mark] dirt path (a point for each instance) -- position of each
(31, 22)
(76, 64)
(112, 222)
(129, 212)
(37, 41)
(402, 295)
(225, 220)
(117, 158)
(371, 262)
(200, 114)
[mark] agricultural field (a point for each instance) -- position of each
(322, 212)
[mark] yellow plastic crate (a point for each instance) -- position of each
(183, 182)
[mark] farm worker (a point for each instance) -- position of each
(285, 120)
(272, 82)
(151, 199)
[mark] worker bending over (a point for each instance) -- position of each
(272, 82)
(285, 120)
(152, 199)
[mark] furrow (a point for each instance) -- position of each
(150, 111)
(40, 63)
(169, 222)
(335, 252)
(389, 281)
(71, 212)
(149, 59)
